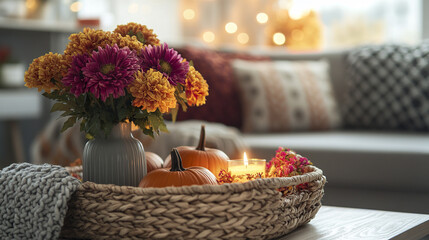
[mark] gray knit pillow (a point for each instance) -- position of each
(389, 88)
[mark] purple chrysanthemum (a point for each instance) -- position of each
(110, 70)
(75, 78)
(167, 61)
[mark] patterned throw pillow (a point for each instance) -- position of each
(223, 104)
(389, 88)
(283, 96)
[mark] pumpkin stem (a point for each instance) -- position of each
(202, 142)
(176, 161)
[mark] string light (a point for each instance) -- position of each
(262, 18)
(279, 38)
(231, 27)
(297, 12)
(208, 37)
(76, 6)
(189, 14)
(243, 38)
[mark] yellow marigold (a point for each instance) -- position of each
(196, 88)
(152, 91)
(46, 72)
(142, 33)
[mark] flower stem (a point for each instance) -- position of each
(202, 142)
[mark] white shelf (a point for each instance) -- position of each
(20, 103)
(39, 25)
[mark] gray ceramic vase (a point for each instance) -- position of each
(118, 159)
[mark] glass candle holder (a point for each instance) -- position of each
(242, 172)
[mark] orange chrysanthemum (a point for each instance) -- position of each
(152, 91)
(89, 40)
(126, 41)
(141, 32)
(46, 72)
(86, 41)
(196, 88)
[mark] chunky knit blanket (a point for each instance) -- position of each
(33, 200)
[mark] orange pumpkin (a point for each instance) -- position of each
(178, 175)
(153, 161)
(210, 158)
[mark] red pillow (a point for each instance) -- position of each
(223, 104)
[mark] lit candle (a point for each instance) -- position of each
(242, 168)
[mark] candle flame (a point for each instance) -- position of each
(246, 162)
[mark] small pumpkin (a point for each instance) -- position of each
(178, 175)
(210, 158)
(154, 161)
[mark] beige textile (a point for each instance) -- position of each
(251, 210)
(283, 96)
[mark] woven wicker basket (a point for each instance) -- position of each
(251, 210)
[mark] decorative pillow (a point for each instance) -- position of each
(389, 88)
(286, 96)
(223, 104)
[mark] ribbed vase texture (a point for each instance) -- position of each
(118, 159)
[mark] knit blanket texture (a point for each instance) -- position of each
(33, 200)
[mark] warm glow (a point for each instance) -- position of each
(208, 37)
(297, 12)
(262, 18)
(279, 38)
(243, 38)
(189, 14)
(133, 8)
(285, 4)
(30, 4)
(297, 35)
(231, 27)
(76, 6)
(245, 160)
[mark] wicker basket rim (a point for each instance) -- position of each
(272, 183)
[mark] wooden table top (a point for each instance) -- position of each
(353, 223)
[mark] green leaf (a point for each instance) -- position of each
(157, 122)
(141, 115)
(140, 37)
(89, 136)
(122, 114)
(66, 113)
(108, 126)
(183, 104)
(69, 123)
(148, 132)
(174, 112)
(59, 107)
(163, 128)
(82, 125)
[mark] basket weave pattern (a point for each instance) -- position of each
(255, 209)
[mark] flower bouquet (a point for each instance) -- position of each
(104, 78)
(108, 80)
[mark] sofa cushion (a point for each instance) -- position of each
(223, 104)
(389, 88)
(392, 161)
(281, 96)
